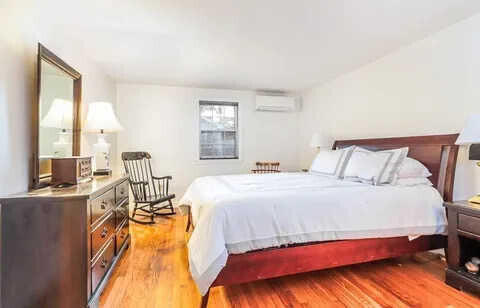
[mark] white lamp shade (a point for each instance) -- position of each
(60, 115)
(319, 140)
(471, 132)
(101, 116)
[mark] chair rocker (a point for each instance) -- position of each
(149, 192)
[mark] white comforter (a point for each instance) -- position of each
(239, 213)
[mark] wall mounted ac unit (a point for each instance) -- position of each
(277, 103)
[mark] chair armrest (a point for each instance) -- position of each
(168, 177)
(138, 183)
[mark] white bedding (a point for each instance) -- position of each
(239, 213)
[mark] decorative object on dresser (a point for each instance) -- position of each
(266, 167)
(55, 115)
(101, 119)
(470, 135)
(463, 246)
(59, 246)
(149, 191)
(71, 170)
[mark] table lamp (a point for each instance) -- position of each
(470, 135)
(101, 119)
(320, 140)
(60, 115)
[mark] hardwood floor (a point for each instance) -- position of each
(154, 273)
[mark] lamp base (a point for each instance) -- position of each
(475, 199)
(102, 172)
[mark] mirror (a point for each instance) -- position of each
(56, 114)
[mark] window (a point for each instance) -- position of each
(218, 130)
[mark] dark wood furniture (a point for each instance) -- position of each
(39, 180)
(149, 191)
(266, 167)
(463, 244)
(438, 153)
(59, 247)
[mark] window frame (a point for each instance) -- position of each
(207, 102)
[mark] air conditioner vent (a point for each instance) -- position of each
(276, 103)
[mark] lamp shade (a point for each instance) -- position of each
(471, 132)
(319, 140)
(60, 115)
(101, 117)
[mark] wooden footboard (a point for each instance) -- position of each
(271, 263)
(279, 262)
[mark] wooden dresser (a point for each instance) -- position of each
(59, 246)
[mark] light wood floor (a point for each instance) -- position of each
(154, 273)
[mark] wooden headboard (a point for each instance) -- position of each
(437, 152)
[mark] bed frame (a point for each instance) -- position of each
(437, 152)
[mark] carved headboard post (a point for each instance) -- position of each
(437, 152)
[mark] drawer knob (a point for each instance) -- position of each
(103, 204)
(104, 232)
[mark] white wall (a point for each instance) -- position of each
(429, 87)
(18, 50)
(162, 120)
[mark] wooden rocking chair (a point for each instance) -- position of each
(148, 190)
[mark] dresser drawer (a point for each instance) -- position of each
(122, 235)
(102, 233)
(101, 264)
(121, 192)
(470, 224)
(121, 212)
(101, 205)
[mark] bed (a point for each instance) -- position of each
(239, 216)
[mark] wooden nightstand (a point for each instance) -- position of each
(463, 244)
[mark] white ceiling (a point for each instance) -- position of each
(244, 44)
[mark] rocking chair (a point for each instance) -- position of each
(148, 190)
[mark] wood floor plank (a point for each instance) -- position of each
(154, 273)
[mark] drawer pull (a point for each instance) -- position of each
(103, 263)
(104, 232)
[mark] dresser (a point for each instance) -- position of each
(59, 246)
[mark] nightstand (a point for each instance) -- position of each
(463, 244)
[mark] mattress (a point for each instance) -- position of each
(240, 213)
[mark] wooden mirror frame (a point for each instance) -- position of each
(50, 57)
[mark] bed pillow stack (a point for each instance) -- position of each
(331, 163)
(374, 168)
(412, 172)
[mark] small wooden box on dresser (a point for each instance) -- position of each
(463, 244)
(59, 246)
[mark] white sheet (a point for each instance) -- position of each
(239, 213)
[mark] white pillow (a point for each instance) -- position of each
(331, 163)
(374, 167)
(413, 181)
(412, 168)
